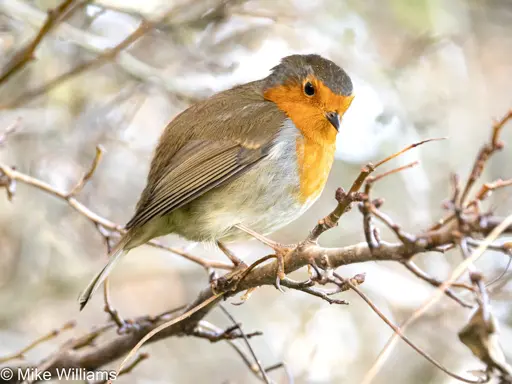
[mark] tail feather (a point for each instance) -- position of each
(119, 251)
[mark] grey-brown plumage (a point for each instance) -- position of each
(194, 155)
(299, 67)
(230, 159)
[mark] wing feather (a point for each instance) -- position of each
(209, 165)
(208, 144)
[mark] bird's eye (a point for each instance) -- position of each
(309, 89)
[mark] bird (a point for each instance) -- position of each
(255, 156)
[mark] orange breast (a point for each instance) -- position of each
(314, 163)
(317, 142)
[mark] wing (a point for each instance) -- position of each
(205, 165)
(207, 145)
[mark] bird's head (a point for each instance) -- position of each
(313, 92)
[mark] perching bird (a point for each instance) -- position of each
(256, 155)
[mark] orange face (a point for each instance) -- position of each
(314, 109)
(308, 104)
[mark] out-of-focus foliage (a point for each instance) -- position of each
(421, 69)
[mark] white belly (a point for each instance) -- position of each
(264, 199)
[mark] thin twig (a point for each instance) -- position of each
(400, 334)
(487, 188)
(238, 349)
(108, 307)
(374, 179)
(248, 344)
(408, 148)
(13, 175)
(437, 283)
(163, 326)
(227, 334)
(129, 368)
(437, 295)
(345, 199)
(88, 175)
(98, 61)
(9, 130)
(481, 160)
(406, 238)
(485, 153)
(367, 207)
(500, 276)
(26, 54)
(231, 256)
(128, 62)
(49, 336)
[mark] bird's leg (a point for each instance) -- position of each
(264, 240)
(221, 284)
(280, 270)
(281, 251)
(234, 259)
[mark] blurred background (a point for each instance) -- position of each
(420, 69)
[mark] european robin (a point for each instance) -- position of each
(257, 155)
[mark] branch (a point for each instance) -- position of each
(95, 44)
(107, 351)
(11, 175)
(437, 283)
(245, 337)
(129, 368)
(345, 199)
(262, 272)
(456, 274)
(98, 61)
(212, 333)
(400, 334)
(51, 335)
(485, 153)
(215, 335)
(26, 54)
(11, 129)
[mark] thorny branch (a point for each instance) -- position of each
(469, 224)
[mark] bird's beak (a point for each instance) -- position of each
(334, 119)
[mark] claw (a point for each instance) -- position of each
(278, 284)
(314, 268)
(245, 296)
(280, 271)
(214, 286)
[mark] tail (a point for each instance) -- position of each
(116, 254)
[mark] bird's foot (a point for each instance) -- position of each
(231, 256)
(245, 296)
(230, 281)
(278, 247)
(281, 252)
